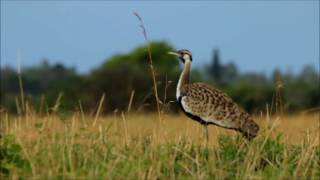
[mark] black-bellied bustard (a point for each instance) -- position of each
(208, 105)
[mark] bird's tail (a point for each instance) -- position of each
(249, 129)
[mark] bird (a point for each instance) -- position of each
(209, 105)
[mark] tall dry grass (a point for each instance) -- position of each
(130, 146)
(294, 128)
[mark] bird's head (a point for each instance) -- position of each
(184, 55)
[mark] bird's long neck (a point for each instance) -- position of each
(184, 77)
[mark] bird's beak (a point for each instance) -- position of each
(174, 53)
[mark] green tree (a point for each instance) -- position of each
(221, 75)
(252, 91)
(118, 76)
(214, 70)
(301, 91)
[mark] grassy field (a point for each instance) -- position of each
(140, 146)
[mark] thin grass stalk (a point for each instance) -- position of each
(82, 114)
(125, 128)
(130, 101)
(21, 92)
(312, 110)
(167, 84)
(267, 113)
(155, 87)
(98, 110)
(278, 95)
(276, 105)
(27, 113)
(18, 105)
(56, 106)
(20, 80)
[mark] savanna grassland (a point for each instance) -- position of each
(142, 146)
(122, 145)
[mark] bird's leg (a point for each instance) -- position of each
(206, 133)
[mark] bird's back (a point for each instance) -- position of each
(208, 105)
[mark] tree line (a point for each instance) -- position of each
(125, 80)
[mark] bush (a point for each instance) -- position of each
(11, 155)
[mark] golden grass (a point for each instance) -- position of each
(125, 127)
(113, 146)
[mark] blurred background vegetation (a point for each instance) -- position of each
(124, 75)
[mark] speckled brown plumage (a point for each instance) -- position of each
(215, 107)
(208, 105)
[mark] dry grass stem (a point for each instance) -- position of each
(155, 87)
(98, 110)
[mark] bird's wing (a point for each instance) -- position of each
(211, 105)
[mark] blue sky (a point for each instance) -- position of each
(257, 35)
